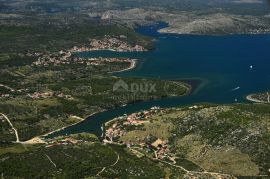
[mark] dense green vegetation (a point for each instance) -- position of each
(80, 161)
(39, 38)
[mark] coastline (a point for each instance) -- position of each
(39, 139)
(110, 49)
(112, 120)
(132, 65)
(250, 98)
(187, 86)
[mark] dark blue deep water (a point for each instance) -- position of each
(220, 63)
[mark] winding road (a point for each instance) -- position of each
(104, 168)
(15, 131)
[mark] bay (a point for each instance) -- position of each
(224, 69)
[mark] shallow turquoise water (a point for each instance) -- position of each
(222, 63)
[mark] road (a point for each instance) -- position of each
(15, 131)
(104, 168)
(49, 158)
(191, 172)
(7, 87)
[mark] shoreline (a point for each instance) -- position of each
(40, 138)
(187, 86)
(132, 65)
(250, 98)
(111, 50)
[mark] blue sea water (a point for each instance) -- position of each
(228, 67)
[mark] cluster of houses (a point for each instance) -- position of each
(35, 95)
(140, 117)
(31, 54)
(63, 141)
(6, 95)
(12, 91)
(160, 148)
(108, 43)
(63, 58)
(102, 61)
(40, 95)
(118, 127)
(260, 31)
(44, 95)
(47, 59)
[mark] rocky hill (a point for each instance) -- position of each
(227, 139)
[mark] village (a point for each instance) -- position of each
(156, 147)
(66, 56)
(45, 95)
(109, 43)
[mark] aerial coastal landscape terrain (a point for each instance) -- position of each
(134, 89)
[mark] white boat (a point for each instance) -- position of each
(237, 88)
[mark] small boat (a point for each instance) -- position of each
(237, 88)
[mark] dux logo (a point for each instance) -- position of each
(144, 87)
(120, 86)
